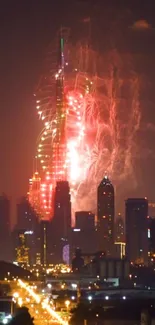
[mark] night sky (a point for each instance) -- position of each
(26, 29)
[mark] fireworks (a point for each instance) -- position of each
(88, 128)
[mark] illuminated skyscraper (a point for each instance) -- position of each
(105, 215)
(28, 221)
(22, 249)
(44, 231)
(119, 229)
(137, 230)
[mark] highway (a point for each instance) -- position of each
(39, 307)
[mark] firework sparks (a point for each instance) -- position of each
(100, 130)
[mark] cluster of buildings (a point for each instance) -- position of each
(45, 242)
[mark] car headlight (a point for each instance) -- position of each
(7, 319)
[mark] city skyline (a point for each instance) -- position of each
(25, 56)
(77, 134)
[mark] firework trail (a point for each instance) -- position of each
(101, 122)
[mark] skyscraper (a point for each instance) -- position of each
(27, 221)
(26, 216)
(105, 215)
(137, 230)
(62, 208)
(119, 229)
(84, 235)
(84, 220)
(44, 236)
(61, 223)
(22, 249)
(5, 247)
(151, 241)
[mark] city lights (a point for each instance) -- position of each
(44, 303)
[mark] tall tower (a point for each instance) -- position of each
(59, 143)
(61, 223)
(137, 230)
(105, 215)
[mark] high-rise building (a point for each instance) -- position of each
(84, 235)
(26, 216)
(44, 241)
(119, 229)
(137, 230)
(5, 235)
(62, 209)
(61, 223)
(151, 240)
(105, 216)
(84, 220)
(28, 221)
(22, 249)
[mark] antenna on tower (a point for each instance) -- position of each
(106, 175)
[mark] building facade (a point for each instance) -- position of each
(151, 241)
(105, 216)
(61, 223)
(137, 230)
(22, 249)
(28, 221)
(119, 229)
(84, 235)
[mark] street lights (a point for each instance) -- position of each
(67, 303)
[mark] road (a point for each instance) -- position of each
(39, 306)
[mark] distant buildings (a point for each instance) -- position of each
(5, 234)
(109, 268)
(22, 249)
(84, 220)
(84, 235)
(105, 216)
(44, 242)
(61, 223)
(137, 231)
(119, 229)
(26, 216)
(27, 222)
(62, 209)
(151, 241)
